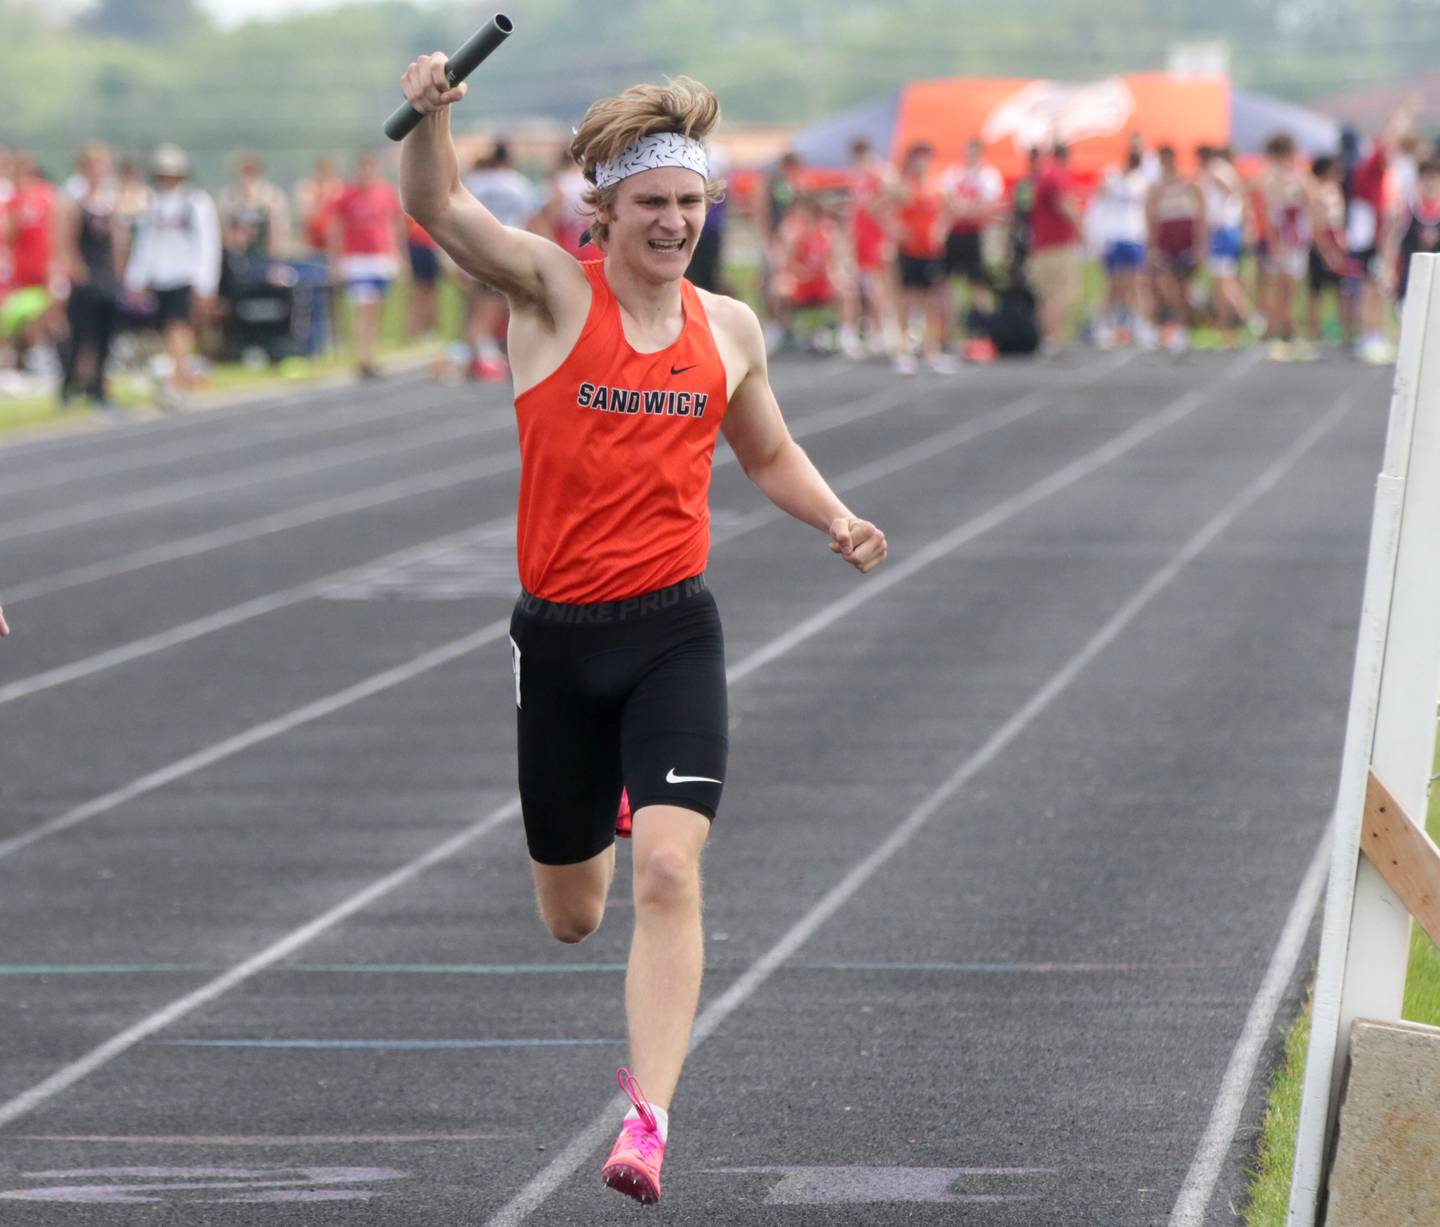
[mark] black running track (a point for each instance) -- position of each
(1012, 826)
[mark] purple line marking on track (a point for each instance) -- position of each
(381, 1045)
(999, 968)
(812, 1186)
(518, 969)
(294, 1139)
(243, 1184)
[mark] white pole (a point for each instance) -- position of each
(1365, 938)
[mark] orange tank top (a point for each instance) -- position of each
(615, 457)
(919, 216)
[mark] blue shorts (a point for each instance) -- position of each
(1124, 255)
(424, 263)
(1226, 245)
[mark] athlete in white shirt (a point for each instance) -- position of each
(1116, 225)
(174, 266)
(513, 201)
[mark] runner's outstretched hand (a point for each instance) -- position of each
(425, 86)
(858, 542)
(4, 629)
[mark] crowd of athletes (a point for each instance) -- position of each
(131, 251)
(927, 264)
(917, 264)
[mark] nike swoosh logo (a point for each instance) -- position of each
(672, 778)
(680, 370)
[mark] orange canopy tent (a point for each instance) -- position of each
(1011, 115)
(1095, 119)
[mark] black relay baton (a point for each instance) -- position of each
(459, 66)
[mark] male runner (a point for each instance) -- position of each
(368, 233)
(174, 265)
(1117, 212)
(1057, 256)
(1414, 229)
(873, 191)
(977, 193)
(923, 217)
(1369, 211)
(1328, 251)
(509, 197)
(1289, 209)
(1226, 208)
(624, 374)
(92, 257)
(1175, 212)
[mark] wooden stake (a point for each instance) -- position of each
(1405, 855)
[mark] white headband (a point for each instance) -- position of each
(650, 153)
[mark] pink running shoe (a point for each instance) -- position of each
(634, 1165)
(622, 819)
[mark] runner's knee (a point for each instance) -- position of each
(667, 877)
(572, 924)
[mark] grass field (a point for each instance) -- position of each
(224, 379)
(1270, 1192)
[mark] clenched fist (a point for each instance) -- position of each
(426, 87)
(858, 542)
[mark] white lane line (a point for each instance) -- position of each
(263, 526)
(598, 1132)
(1200, 1181)
(1023, 499)
(827, 419)
(323, 509)
(1199, 1187)
(256, 734)
(102, 1055)
(70, 1074)
(104, 433)
(340, 417)
(231, 616)
(997, 418)
(336, 417)
(304, 465)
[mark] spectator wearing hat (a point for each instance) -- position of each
(174, 267)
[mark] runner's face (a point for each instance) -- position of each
(657, 218)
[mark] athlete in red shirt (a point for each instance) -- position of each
(624, 375)
(1056, 254)
(368, 234)
(809, 273)
(27, 223)
(30, 219)
(922, 217)
(873, 192)
(1370, 212)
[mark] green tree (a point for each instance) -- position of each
(142, 20)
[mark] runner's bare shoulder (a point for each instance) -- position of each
(737, 332)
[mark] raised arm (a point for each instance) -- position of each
(529, 270)
(771, 458)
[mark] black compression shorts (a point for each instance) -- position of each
(625, 693)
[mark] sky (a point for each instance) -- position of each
(230, 13)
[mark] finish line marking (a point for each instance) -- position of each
(831, 1186)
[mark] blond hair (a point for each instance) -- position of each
(612, 125)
